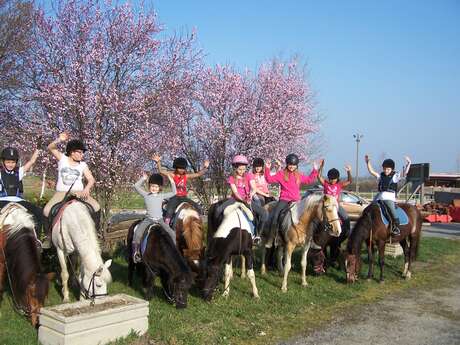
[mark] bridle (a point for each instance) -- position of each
(327, 223)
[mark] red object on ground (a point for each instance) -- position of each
(439, 218)
(454, 212)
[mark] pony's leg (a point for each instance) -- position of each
(370, 258)
(263, 268)
(279, 258)
(148, 283)
(243, 267)
(64, 275)
(305, 249)
(227, 277)
(406, 252)
(287, 265)
(251, 274)
(381, 247)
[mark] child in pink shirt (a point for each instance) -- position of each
(290, 180)
(262, 195)
(333, 186)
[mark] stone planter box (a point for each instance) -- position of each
(78, 323)
(393, 249)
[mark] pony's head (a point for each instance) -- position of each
(352, 265)
(328, 212)
(211, 279)
(180, 286)
(36, 293)
(94, 284)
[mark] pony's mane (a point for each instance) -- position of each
(312, 202)
(90, 230)
(193, 232)
(23, 261)
(360, 229)
(18, 219)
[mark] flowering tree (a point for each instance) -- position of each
(102, 73)
(266, 114)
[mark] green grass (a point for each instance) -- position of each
(242, 320)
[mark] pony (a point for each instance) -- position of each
(74, 231)
(323, 208)
(224, 240)
(189, 235)
(161, 257)
(322, 239)
(20, 262)
(370, 228)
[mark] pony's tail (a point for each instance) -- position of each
(419, 233)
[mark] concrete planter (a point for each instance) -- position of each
(78, 323)
(393, 249)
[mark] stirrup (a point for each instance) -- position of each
(395, 231)
(137, 257)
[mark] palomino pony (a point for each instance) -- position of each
(230, 236)
(371, 229)
(20, 262)
(74, 230)
(160, 257)
(189, 235)
(323, 208)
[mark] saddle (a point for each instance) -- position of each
(177, 214)
(57, 210)
(146, 234)
(385, 214)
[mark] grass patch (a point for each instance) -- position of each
(243, 320)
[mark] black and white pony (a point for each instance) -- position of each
(227, 237)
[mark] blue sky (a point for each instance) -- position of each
(387, 69)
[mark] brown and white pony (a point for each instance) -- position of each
(370, 229)
(189, 235)
(323, 208)
(20, 262)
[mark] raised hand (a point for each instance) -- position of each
(348, 168)
(367, 158)
(156, 157)
(63, 136)
(206, 164)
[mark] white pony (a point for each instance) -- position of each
(75, 231)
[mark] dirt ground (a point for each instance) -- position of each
(419, 318)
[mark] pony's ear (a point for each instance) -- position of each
(108, 263)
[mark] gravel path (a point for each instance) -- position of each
(421, 318)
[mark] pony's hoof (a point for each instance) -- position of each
(225, 294)
(66, 300)
(408, 276)
(382, 281)
(284, 289)
(368, 280)
(256, 296)
(243, 276)
(304, 284)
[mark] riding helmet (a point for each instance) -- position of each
(74, 145)
(258, 162)
(333, 174)
(292, 159)
(10, 153)
(240, 160)
(388, 163)
(156, 179)
(180, 163)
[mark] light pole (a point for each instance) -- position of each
(357, 137)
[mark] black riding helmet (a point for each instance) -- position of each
(292, 159)
(74, 145)
(388, 163)
(333, 174)
(258, 162)
(10, 153)
(156, 179)
(180, 163)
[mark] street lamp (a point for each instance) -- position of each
(357, 137)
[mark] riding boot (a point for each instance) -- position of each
(395, 231)
(96, 216)
(46, 244)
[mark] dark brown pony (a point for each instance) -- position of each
(20, 265)
(370, 229)
(189, 235)
(161, 258)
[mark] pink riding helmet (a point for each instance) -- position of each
(240, 159)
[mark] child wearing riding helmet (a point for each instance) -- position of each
(11, 188)
(243, 187)
(262, 195)
(388, 186)
(71, 170)
(180, 177)
(333, 186)
(153, 200)
(290, 181)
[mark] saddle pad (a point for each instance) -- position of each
(235, 219)
(403, 218)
